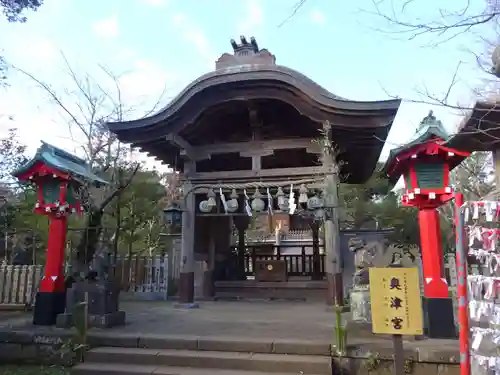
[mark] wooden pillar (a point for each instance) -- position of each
(208, 281)
(241, 223)
(332, 231)
(316, 256)
(186, 281)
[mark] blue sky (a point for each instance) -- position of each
(154, 44)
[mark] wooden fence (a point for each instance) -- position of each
(144, 277)
(19, 284)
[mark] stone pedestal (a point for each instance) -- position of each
(361, 305)
(103, 304)
(439, 322)
(208, 285)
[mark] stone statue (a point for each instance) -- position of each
(398, 255)
(20, 256)
(97, 288)
(365, 256)
(374, 254)
(101, 264)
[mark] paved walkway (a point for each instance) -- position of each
(250, 319)
(278, 320)
(293, 321)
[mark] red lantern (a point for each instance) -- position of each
(425, 168)
(57, 176)
(425, 165)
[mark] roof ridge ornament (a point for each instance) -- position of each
(251, 47)
(430, 125)
(430, 119)
(244, 53)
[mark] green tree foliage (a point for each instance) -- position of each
(14, 10)
(474, 176)
(18, 223)
(140, 210)
(12, 154)
(374, 205)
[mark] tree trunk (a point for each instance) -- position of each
(88, 242)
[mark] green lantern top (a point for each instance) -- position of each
(425, 162)
(59, 160)
(429, 127)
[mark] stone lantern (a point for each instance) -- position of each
(425, 164)
(173, 217)
(57, 176)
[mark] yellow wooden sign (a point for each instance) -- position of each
(395, 301)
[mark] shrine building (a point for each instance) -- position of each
(243, 136)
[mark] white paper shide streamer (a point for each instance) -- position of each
(248, 209)
(223, 200)
(484, 287)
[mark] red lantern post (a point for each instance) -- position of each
(56, 175)
(425, 165)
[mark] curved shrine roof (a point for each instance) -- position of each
(479, 131)
(252, 74)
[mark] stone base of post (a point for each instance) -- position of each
(186, 287)
(439, 322)
(335, 291)
(208, 285)
(48, 305)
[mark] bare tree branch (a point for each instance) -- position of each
(295, 10)
(447, 25)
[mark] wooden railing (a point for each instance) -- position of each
(302, 263)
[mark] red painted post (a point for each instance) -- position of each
(53, 278)
(435, 285)
(462, 296)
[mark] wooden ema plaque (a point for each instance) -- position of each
(270, 270)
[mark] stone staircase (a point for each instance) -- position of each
(306, 290)
(209, 356)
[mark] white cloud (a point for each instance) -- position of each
(148, 79)
(156, 3)
(253, 19)
(317, 17)
(39, 49)
(124, 55)
(107, 28)
(200, 42)
(33, 118)
(179, 19)
(196, 36)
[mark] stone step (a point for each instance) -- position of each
(260, 296)
(272, 363)
(211, 343)
(271, 292)
(89, 368)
